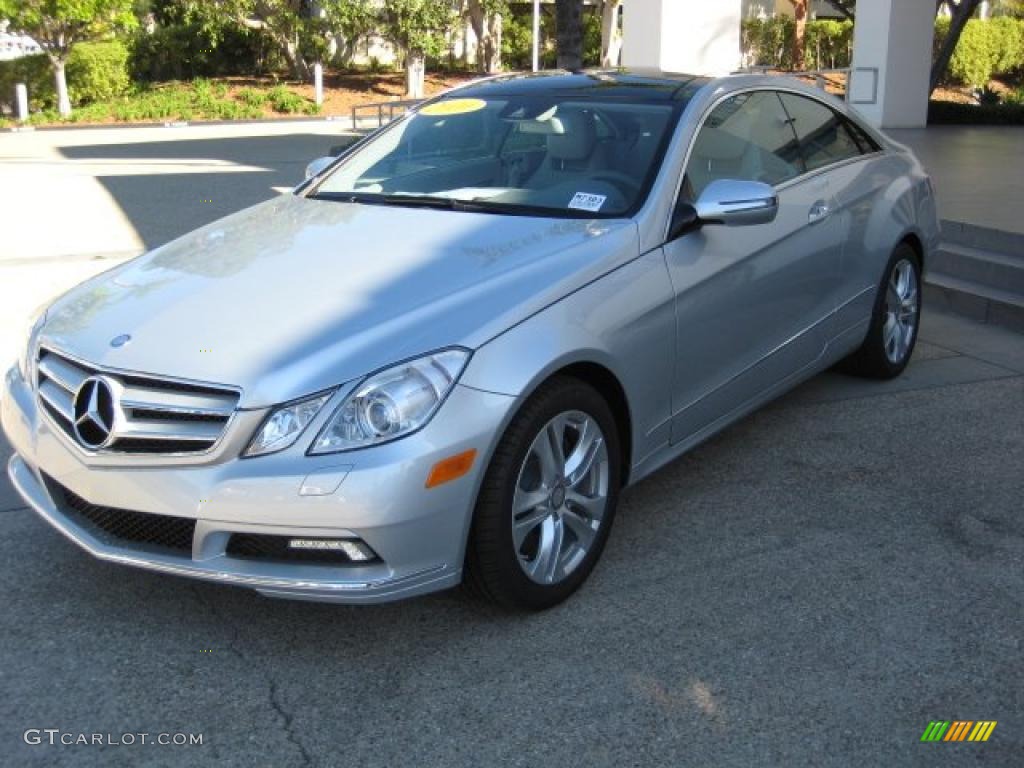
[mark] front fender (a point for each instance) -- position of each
(624, 322)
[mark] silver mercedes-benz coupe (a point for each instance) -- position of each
(442, 357)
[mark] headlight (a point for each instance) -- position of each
(30, 340)
(284, 425)
(392, 403)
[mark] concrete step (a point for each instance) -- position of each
(984, 238)
(990, 268)
(978, 272)
(975, 300)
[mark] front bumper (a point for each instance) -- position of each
(418, 533)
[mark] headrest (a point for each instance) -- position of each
(574, 136)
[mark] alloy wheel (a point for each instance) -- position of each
(561, 497)
(901, 311)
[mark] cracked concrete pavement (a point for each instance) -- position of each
(811, 587)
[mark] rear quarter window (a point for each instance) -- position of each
(825, 137)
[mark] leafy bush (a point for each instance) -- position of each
(252, 97)
(97, 71)
(828, 44)
(289, 103)
(768, 42)
(986, 48)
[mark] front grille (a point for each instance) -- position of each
(154, 415)
(252, 546)
(154, 532)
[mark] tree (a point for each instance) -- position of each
(961, 12)
(284, 22)
(485, 16)
(569, 33)
(58, 24)
(347, 22)
(417, 29)
(799, 32)
(611, 35)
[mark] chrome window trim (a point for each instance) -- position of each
(806, 175)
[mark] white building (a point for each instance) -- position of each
(16, 46)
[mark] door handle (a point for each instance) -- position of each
(819, 211)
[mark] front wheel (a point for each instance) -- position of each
(894, 323)
(548, 499)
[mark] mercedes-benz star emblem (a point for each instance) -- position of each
(94, 412)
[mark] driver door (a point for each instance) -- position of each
(752, 301)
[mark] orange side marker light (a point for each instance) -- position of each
(451, 468)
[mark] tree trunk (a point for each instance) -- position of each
(799, 33)
(962, 13)
(61, 81)
(487, 30)
(415, 66)
(569, 33)
(611, 36)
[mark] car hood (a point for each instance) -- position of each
(296, 295)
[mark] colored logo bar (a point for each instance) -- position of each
(958, 730)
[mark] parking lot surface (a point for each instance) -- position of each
(812, 587)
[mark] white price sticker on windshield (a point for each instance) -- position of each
(584, 201)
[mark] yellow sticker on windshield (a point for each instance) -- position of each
(453, 107)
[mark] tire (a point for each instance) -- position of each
(885, 351)
(513, 569)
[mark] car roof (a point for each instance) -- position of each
(639, 85)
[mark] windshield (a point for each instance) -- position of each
(533, 154)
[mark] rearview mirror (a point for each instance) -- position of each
(316, 167)
(737, 203)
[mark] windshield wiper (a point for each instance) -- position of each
(417, 201)
(452, 204)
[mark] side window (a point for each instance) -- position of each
(747, 137)
(824, 137)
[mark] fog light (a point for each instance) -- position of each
(354, 550)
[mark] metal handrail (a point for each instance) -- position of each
(820, 76)
(380, 107)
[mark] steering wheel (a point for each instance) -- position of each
(620, 180)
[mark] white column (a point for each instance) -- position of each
(692, 36)
(892, 56)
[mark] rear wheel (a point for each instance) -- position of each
(894, 323)
(548, 499)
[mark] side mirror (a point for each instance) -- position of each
(737, 203)
(316, 167)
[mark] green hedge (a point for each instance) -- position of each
(986, 48)
(828, 44)
(95, 71)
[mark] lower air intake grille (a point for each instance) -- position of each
(161, 532)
